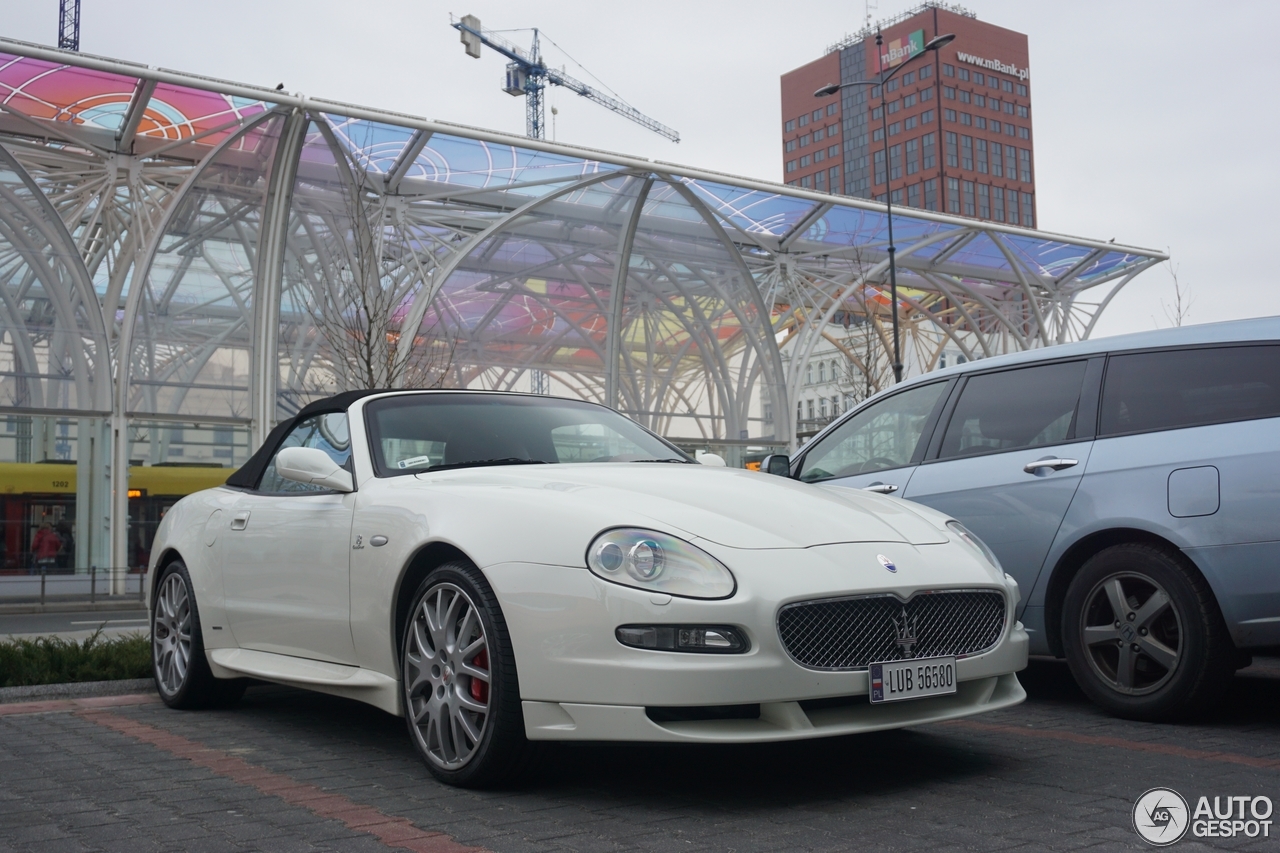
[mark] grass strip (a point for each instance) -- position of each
(57, 660)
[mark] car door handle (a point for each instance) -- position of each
(240, 521)
(1052, 462)
(881, 488)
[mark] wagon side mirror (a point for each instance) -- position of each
(314, 467)
(777, 463)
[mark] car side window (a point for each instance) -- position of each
(882, 436)
(1012, 409)
(327, 432)
(1192, 387)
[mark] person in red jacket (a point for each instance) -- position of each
(45, 546)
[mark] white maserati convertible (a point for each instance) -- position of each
(501, 569)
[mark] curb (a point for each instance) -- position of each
(76, 690)
(71, 607)
(87, 704)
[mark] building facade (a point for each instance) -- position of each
(842, 371)
(958, 120)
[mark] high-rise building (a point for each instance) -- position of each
(958, 119)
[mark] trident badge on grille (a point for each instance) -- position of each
(906, 631)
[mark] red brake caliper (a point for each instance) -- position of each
(479, 689)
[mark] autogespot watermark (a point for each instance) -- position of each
(1162, 817)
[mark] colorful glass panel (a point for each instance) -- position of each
(64, 93)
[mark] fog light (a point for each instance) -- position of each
(706, 639)
(640, 638)
(697, 638)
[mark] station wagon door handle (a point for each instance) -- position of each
(240, 521)
(1054, 463)
(881, 488)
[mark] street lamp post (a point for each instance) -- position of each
(831, 89)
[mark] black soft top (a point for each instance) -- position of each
(248, 475)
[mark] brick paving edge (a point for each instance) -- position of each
(76, 690)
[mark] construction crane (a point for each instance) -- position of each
(528, 75)
(69, 24)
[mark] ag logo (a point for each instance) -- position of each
(1160, 816)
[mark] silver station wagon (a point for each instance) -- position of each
(1131, 485)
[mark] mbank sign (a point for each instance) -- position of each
(995, 65)
(901, 49)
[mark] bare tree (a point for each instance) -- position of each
(359, 306)
(1180, 310)
(865, 348)
(864, 364)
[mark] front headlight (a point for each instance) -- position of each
(658, 562)
(967, 536)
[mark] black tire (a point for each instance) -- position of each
(178, 661)
(438, 653)
(1167, 655)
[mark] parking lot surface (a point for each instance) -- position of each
(293, 771)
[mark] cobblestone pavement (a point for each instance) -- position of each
(293, 771)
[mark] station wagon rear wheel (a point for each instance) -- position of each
(1143, 635)
(461, 693)
(1132, 633)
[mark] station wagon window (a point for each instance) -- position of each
(882, 436)
(1192, 387)
(1028, 407)
(327, 432)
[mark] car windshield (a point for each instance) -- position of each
(414, 433)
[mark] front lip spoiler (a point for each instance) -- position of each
(775, 721)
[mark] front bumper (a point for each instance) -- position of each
(777, 720)
(579, 683)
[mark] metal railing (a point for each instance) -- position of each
(809, 427)
(92, 584)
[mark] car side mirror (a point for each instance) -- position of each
(777, 463)
(314, 467)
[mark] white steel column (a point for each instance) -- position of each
(768, 348)
(93, 495)
(617, 296)
(264, 359)
(116, 429)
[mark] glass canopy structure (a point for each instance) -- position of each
(182, 253)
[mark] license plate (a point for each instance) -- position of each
(912, 679)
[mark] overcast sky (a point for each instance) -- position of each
(1155, 121)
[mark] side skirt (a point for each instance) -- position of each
(351, 682)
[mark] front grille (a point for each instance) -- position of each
(851, 633)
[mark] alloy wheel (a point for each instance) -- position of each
(447, 676)
(1132, 633)
(171, 634)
